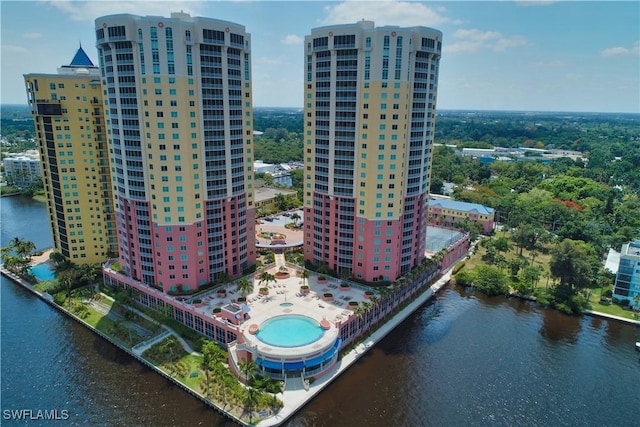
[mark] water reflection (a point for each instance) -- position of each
(558, 327)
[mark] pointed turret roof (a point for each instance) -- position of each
(81, 59)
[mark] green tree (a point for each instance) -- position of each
(436, 185)
(23, 248)
(295, 217)
(465, 277)
(208, 352)
(515, 264)
(531, 275)
(527, 236)
(67, 280)
(244, 286)
(281, 202)
(304, 275)
(297, 178)
(491, 280)
(574, 263)
(490, 251)
(248, 371)
(502, 244)
(89, 273)
(17, 255)
(56, 257)
(266, 278)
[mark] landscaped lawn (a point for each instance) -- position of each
(193, 362)
(541, 259)
(611, 309)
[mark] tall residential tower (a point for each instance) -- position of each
(178, 103)
(68, 113)
(370, 103)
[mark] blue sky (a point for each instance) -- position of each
(502, 55)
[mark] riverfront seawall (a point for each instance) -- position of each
(49, 299)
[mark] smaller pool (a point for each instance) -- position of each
(42, 272)
(286, 304)
(289, 331)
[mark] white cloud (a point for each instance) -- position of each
(292, 39)
(505, 43)
(90, 10)
(476, 35)
(621, 51)
(32, 35)
(535, 2)
(473, 40)
(14, 49)
(575, 76)
(267, 60)
(400, 13)
(549, 64)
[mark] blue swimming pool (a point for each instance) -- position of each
(289, 331)
(43, 272)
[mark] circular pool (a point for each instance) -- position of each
(290, 331)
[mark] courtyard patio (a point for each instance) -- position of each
(284, 296)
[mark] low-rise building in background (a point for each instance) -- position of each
(452, 213)
(627, 285)
(22, 169)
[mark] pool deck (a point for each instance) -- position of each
(265, 307)
(295, 396)
(42, 258)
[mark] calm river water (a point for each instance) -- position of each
(462, 359)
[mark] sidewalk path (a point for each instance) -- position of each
(107, 311)
(612, 317)
(182, 341)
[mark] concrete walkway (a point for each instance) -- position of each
(107, 311)
(146, 345)
(612, 317)
(170, 331)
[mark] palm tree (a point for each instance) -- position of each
(534, 254)
(207, 362)
(248, 369)
(359, 312)
(266, 278)
(15, 242)
(375, 306)
(67, 281)
(295, 217)
(23, 248)
(88, 274)
(170, 345)
(244, 286)
(56, 257)
(304, 275)
(220, 370)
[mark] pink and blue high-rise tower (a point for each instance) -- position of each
(178, 102)
(370, 105)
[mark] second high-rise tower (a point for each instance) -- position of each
(178, 103)
(370, 103)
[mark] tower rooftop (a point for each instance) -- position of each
(81, 59)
